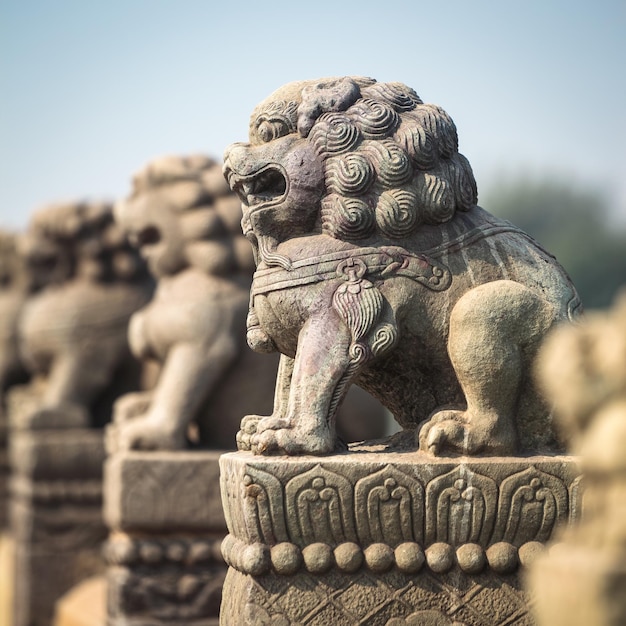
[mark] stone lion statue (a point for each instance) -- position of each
(88, 281)
(185, 221)
(376, 266)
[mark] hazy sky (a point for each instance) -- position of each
(91, 90)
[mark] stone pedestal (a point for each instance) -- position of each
(4, 471)
(166, 526)
(387, 538)
(56, 516)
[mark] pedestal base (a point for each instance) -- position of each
(56, 517)
(165, 516)
(4, 472)
(389, 538)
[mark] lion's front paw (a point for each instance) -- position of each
(278, 436)
(131, 405)
(247, 428)
(143, 433)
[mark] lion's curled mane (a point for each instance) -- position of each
(391, 162)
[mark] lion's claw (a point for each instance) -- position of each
(445, 429)
(248, 428)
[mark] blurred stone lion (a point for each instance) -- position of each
(87, 282)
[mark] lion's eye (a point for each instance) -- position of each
(269, 130)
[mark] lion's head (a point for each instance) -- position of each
(181, 214)
(78, 240)
(350, 158)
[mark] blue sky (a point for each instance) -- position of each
(90, 91)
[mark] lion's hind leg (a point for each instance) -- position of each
(494, 332)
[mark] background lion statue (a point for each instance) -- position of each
(376, 266)
(72, 332)
(186, 222)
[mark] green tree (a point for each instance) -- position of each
(574, 224)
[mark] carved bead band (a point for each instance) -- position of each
(409, 557)
(125, 550)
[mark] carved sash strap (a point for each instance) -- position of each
(383, 262)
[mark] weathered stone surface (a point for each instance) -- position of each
(374, 535)
(167, 526)
(43, 457)
(583, 369)
(376, 266)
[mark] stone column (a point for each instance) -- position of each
(164, 513)
(391, 539)
(56, 518)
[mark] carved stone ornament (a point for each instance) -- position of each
(380, 537)
(376, 266)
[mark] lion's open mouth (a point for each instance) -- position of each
(268, 185)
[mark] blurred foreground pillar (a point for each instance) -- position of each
(582, 582)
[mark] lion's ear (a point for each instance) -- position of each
(324, 96)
